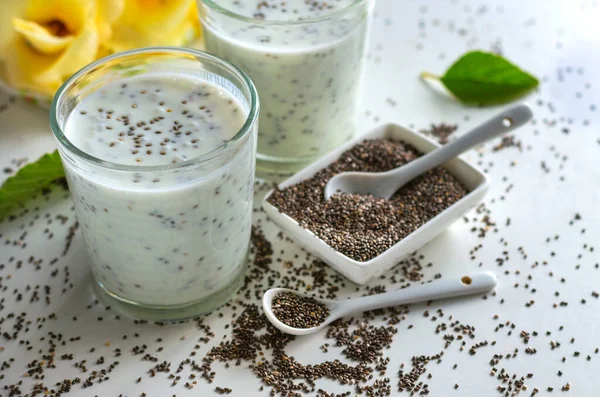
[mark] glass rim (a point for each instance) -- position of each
(212, 4)
(65, 143)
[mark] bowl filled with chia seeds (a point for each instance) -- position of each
(362, 236)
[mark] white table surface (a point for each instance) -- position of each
(555, 40)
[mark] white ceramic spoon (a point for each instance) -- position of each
(458, 286)
(385, 184)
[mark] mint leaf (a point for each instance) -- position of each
(484, 78)
(29, 180)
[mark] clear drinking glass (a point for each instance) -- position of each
(176, 247)
(307, 73)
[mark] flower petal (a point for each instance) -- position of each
(126, 37)
(10, 9)
(81, 52)
(74, 14)
(22, 67)
(134, 35)
(150, 16)
(108, 11)
(28, 69)
(40, 38)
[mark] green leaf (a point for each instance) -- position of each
(484, 78)
(29, 180)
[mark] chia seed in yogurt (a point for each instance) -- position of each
(306, 59)
(162, 231)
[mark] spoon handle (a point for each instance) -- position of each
(509, 119)
(458, 286)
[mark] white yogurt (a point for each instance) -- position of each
(307, 76)
(171, 237)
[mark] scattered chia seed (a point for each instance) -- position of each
(223, 390)
(441, 132)
(507, 142)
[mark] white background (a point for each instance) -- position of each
(555, 40)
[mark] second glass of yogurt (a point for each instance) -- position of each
(159, 148)
(306, 59)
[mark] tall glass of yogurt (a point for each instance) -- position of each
(306, 59)
(159, 149)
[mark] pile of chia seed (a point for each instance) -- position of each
(362, 227)
(299, 311)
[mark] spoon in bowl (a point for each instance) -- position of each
(385, 184)
(457, 286)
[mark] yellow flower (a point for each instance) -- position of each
(146, 23)
(43, 42)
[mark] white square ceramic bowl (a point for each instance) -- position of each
(361, 272)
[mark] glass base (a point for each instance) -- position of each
(175, 312)
(278, 168)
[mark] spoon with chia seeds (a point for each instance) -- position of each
(298, 314)
(385, 184)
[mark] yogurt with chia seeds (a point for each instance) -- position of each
(306, 65)
(156, 235)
